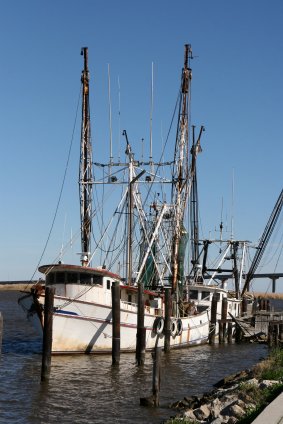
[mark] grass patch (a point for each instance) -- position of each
(272, 367)
(263, 398)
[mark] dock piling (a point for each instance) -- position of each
(212, 329)
(230, 332)
(224, 309)
(47, 333)
(153, 400)
(156, 375)
(115, 291)
(141, 331)
(167, 329)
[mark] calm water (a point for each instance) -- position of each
(87, 389)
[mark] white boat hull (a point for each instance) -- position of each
(85, 327)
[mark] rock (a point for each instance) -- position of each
(233, 410)
(232, 379)
(190, 414)
(247, 399)
(232, 420)
(202, 413)
(240, 403)
(253, 381)
(150, 401)
(218, 420)
(267, 383)
(193, 401)
(228, 399)
(216, 407)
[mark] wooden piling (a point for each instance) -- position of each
(141, 331)
(167, 324)
(221, 332)
(156, 375)
(224, 309)
(153, 400)
(254, 306)
(229, 332)
(238, 334)
(213, 316)
(276, 334)
(47, 333)
(270, 334)
(115, 291)
(264, 304)
(281, 333)
(244, 306)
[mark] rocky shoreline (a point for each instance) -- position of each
(232, 399)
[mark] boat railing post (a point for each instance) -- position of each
(141, 331)
(167, 329)
(115, 291)
(47, 333)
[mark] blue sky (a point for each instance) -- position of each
(237, 94)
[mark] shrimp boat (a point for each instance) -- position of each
(141, 247)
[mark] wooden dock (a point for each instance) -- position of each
(261, 326)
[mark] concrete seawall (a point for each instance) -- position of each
(273, 413)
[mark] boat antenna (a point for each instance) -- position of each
(221, 226)
(119, 119)
(151, 112)
(85, 175)
(232, 217)
(110, 116)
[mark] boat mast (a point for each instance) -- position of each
(85, 177)
(181, 168)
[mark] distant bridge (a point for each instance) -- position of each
(273, 276)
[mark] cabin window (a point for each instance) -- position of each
(60, 277)
(108, 284)
(129, 298)
(85, 278)
(205, 295)
(193, 294)
(97, 279)
(72, 277)
(50, 278)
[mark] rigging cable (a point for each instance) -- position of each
(61, 191)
